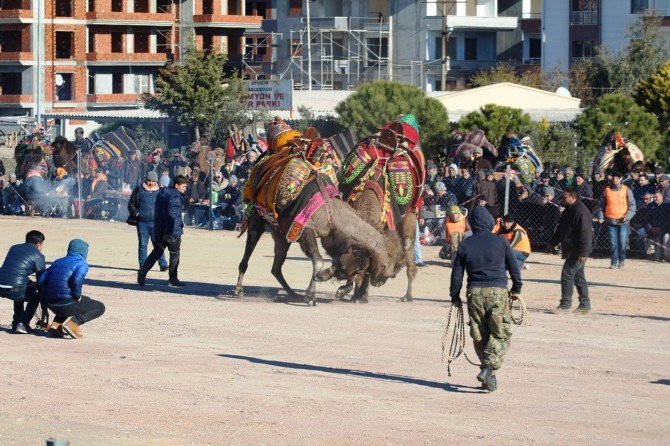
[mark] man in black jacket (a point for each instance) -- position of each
(487, 258)
(21, 262)
(575, 234)
(168, 227)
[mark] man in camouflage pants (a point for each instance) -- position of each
(486, 257)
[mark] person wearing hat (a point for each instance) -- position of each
(432, 177)
(11, 196)
(451, 178)
(141, 207)
(62, 285)
(487, 192)
(478, 160)
(583, 188)
(517, 237)
(455, 227)
(230, 200)
(664, 187)
(616, 209)
(219, 184)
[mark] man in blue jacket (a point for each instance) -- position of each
(62, 283)
(21, 262)
(168, 227)
(487, 258)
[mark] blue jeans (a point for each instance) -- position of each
(618, 242)
(417, 246)
(145, 231)
(520, 257)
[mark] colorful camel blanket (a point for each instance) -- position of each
(391, 163)
(283, 184)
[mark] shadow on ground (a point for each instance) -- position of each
(665, 382)
(358, 374)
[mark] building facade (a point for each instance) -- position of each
(578, 27)
(355, 41)
(79, 55)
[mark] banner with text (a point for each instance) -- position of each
(270, 95)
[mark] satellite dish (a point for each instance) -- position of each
(562, 91)
(59, 80)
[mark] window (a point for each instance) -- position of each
(377, 51)
(91, 5)
(234, 45)
(470, 49)
(294, 47)
(451, 48)
(64, 45)
(162, 42)
(584, 12)
(117, 5)
(142, 83)
(117, 83)
(91, 84)
(638, 6)
(63, 8)
(535, 48)
(207, 42)
(258, 8)
(583, 48)
(117, 42)
(141, 6)
(10, 41)
(164, 6)
(10, 83)
(207, 7)
(142, 42)
(233, 8)
(295, 8)
(64, 86)
(91, 41)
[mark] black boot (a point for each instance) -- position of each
(141, 276)
(487, 379)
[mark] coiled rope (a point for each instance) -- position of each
(453, 338)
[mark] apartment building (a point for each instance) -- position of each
(355, 41)
(578, 27)
(84, 55)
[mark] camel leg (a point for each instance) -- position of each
(361, 292)
(281, 249)
(344, 290)
(409, 231)
(256, 226)
(310, 247)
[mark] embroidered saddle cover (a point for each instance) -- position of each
(392, 164)
(611, 145)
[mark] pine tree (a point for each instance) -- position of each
(496, 121)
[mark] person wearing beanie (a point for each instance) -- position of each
(62, 285)
(616, 209)
(141, 207)
(230, 200)
(517, 237)
(487, 258)
(455, 227)
(451, 178)
(168, 229)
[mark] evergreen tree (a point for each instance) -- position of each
(653, 94)
(496, 121)
(376, 103)
(620, 113)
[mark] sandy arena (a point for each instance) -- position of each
(166, 366)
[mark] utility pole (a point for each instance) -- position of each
(309, 51)
(443, 74)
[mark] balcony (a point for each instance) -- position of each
(584, 18)
(19, 58)
(227, 21)
(473, 23)
(16, 98)
(130, 58)
(125, 18)
(111, 99)
(463, 66)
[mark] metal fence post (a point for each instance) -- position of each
(211, 188)
(507, 173)
(81, 206)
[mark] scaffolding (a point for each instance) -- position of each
(345, 52)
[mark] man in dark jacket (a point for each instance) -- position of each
(132, 168)
(168, 227)
(575, 234)
(21, 262)
(141, 207)
(487, 191)
(487, 258)
(62, 284)
(230, 199)
(195, 193)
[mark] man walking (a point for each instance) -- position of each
(487, 258)
(619, 205)
(168, 228)
(575, 235)
(21, 262)
(141, 208)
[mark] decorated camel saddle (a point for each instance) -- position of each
(392, 164)
(520, 155)
(32, 150)
(617, 152)
(295, 181)
(236, 145)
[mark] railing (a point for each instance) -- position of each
(532, 61)
(584, 18)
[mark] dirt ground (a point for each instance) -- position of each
(166, 366)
